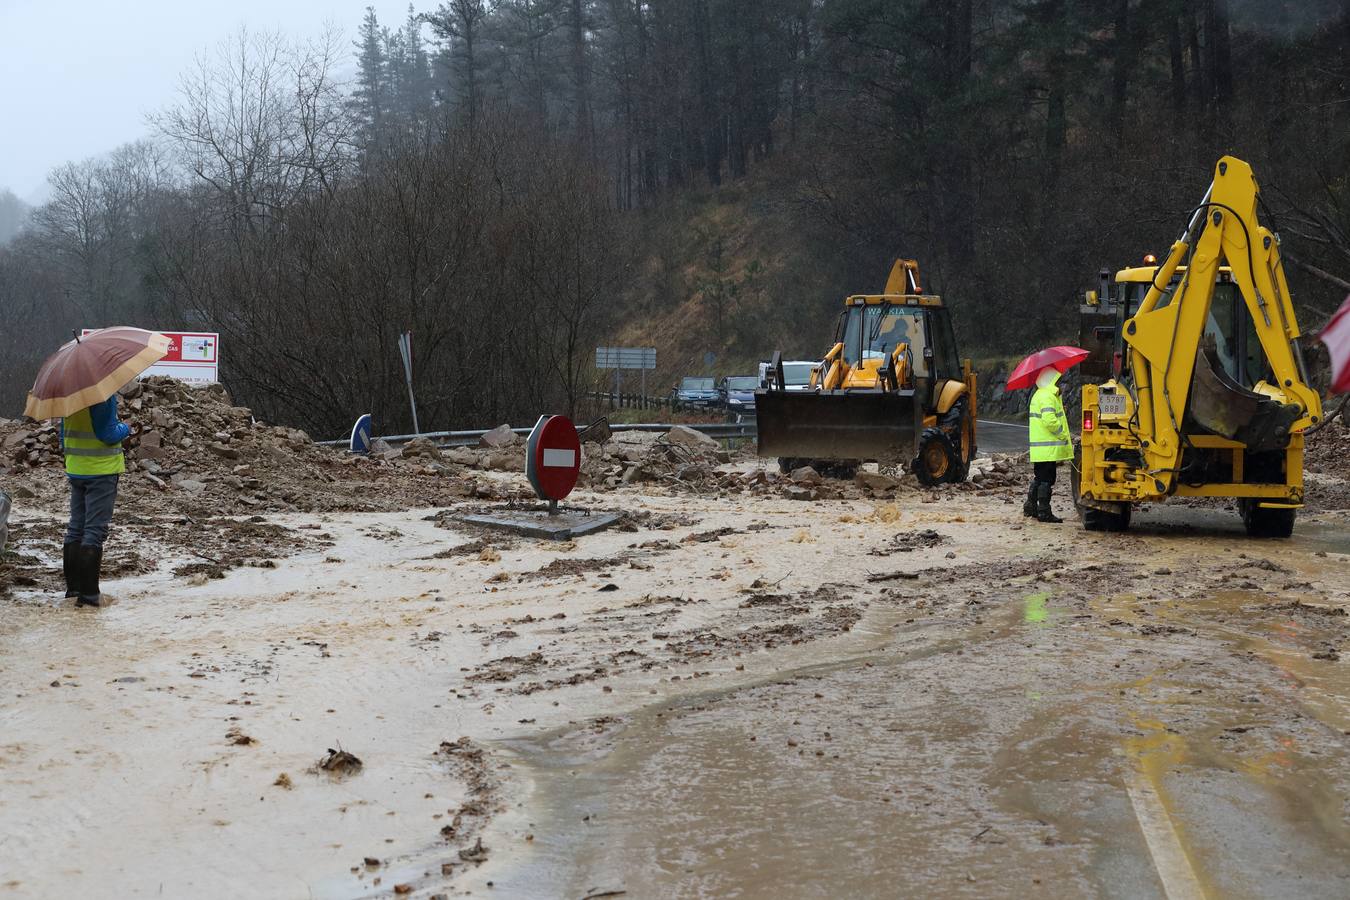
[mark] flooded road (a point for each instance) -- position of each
(732, 697)
(1034, 751)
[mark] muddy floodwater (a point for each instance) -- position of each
(725, 697)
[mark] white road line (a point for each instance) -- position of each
(1004, 424)
(1169, 858)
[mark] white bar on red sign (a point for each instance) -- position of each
(564, 459)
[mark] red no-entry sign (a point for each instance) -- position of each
(553, 457)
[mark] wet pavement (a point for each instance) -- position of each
(1000, 437)
(1037, 749)
(734, 697)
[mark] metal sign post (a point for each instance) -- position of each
(620, 358)
(405, 350)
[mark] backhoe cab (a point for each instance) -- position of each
(890, 389)
(1207, 394)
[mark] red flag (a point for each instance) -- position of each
(1337, 338)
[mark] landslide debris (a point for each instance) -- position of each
(1328, 450)
(193, 451)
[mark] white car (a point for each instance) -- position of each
(797, 374)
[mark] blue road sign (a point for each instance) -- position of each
(360, 442)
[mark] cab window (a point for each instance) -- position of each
(873, 331)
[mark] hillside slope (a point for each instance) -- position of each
(723, 279)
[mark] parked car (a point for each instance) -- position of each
(736, 393)
(695, 392)
(797, 374)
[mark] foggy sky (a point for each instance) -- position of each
(77, 78)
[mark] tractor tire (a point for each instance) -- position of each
(938, 461)
(1266, 523)
(954, 424)
(1094, 519)
(1100, 520)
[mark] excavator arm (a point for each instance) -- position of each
(1165, 338)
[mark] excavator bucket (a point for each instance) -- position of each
(1221, 406)
(848, 425)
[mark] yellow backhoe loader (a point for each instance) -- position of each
(891, 389)
(1209, 394)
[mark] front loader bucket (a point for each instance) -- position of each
(853, 425)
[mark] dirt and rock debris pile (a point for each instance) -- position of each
(685, 460)
(1328, 450)
(191, 449)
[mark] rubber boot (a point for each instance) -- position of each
(1029, 505)
(1043, 511)
(70, 567)
(90, 560)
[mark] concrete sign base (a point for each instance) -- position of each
(559, 526)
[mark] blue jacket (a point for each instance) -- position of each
(106, 427)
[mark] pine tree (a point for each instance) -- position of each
(370, 99)
(459, 24)
(416, 87)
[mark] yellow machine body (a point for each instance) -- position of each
(1209, 399)
(889, 387)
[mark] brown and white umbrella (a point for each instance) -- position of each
(91, 369)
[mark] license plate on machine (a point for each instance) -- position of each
(1111, 404)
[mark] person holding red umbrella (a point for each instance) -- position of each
(1050, 439)
(78, 384)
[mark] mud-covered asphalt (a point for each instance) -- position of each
(736, 696)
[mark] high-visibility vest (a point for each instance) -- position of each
(85, 453)
(1050, 438)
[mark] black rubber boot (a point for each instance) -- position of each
(70, 567)
(90, 560)
(1029, 505)
(1043, 511)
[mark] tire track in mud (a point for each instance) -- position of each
(1000, 604)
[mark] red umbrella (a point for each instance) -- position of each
(1061, 359)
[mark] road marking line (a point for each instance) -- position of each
(1164, 844)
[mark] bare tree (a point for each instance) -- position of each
(261, 122)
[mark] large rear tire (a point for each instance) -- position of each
(1266, 522)
(938, 461)
(1100, 520)
(1094, 519)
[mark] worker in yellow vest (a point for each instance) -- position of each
(1050, 441)
(92, 439)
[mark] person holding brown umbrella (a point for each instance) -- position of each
(79, 384)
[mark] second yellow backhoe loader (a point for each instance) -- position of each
(1209, 394)
(891, 389)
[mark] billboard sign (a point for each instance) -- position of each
(194, 357)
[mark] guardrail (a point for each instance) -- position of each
(721, 431)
